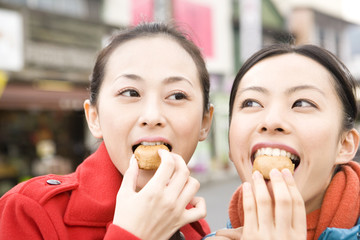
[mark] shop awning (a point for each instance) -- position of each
(35, 97)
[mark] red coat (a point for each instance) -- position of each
(76, 206)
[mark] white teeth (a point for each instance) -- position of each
(268, 151)
(283, 153)
(275, 152)
(151, 143)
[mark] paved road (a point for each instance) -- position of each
(217, 195)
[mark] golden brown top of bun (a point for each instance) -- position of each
(148, 157)
(264, 164)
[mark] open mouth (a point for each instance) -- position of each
(152, 144)
(276, 152)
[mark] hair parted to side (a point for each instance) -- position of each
(149, 29)
(345, 84)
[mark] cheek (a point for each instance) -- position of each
(239, 136)
(115, 127)
(186, 128)
(186, 122)
(115, 118)
(320, 135)
(239, 140)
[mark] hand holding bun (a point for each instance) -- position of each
(264, 164)
(148, 157)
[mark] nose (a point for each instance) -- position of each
(151, 114)
(274, 121)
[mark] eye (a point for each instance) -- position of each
(249, 103)
(303, 103)
(178, 96)
(129, 93)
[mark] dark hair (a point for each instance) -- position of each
(149, 30)
(345, 84)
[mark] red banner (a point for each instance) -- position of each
(197, 19)
(142, 11)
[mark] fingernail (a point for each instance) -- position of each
(275, 173)
(286, 173)
(132, 160)
(257, 175)
(161, 152)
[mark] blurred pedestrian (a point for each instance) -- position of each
(149, 86)
(296, 102)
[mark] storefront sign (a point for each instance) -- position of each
(58, 57)
(11, 40)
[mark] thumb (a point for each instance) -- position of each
(131, 174)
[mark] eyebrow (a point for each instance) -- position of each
(177, 79)
(170, 79)
(253, 88)
(289, 91)
(130, 76)
(305, 87)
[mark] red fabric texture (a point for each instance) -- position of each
(81, 207)
(340, 207)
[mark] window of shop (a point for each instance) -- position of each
(21, 134)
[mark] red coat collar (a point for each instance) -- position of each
(93, 202)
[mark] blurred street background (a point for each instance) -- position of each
(48, 48)
(217, 195)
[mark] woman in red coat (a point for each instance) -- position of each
(149, 86)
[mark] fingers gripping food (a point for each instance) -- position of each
(148, 157)
(264, 164)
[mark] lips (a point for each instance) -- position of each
(145, 143)
(267, 151)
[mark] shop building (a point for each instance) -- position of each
(47, 52)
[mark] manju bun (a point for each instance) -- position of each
(265, 163)
(148, 157)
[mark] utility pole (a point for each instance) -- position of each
(250, 27)
(162, 10)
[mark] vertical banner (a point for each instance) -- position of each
(11, 40)
(197, 17)
(250, 27)
(142, 11)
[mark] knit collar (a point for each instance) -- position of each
(93, 202)
(341, 204)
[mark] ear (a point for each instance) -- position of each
(92, 118)
(348, 146)
(206, 123)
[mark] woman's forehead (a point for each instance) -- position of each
(287, 69)
(151, 57)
